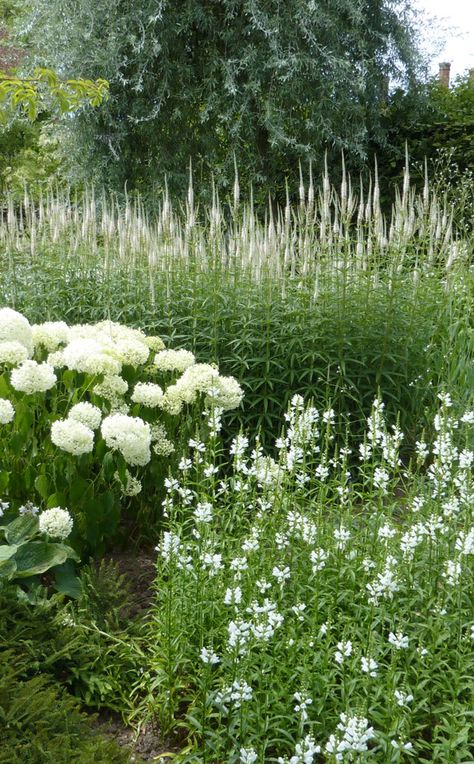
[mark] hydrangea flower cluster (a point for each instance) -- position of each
(55, 522)
(31, 377)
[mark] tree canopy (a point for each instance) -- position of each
(273, 82)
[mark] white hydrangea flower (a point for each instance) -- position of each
(7, 412)
(228, 393)
(174, 360)
(56, 359)
(72, 436)
(130, 352)
(13, 353)
(50, 335)
(129, 435)
(31, 377)
(111, 387)
(154, 342)
(56, 522)
(91, 357)
(87, 414)
(15, 327)
(148, 394)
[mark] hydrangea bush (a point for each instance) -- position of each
(90, 416)
(318, 606)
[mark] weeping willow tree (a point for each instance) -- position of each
(269, 82)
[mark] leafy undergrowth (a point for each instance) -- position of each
(41, 723)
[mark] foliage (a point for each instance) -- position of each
(45, 90)
(28, 157)
(313, 609)
(88, 644)
(26, 553)
(434, 124)
(331, 300)
(41, 723)
(51, 410)
(270, 84)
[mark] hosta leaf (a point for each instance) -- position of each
(21, 529)
(66, 580)
(7, 568)
(37, 557)
(7, 551)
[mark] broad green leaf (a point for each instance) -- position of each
(37, 557)
(67, 582)
(21, 529)
(42, 486)
(7, 568)
(7, 551)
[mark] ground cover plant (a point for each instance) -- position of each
(306, 612)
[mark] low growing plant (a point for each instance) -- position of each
(32, 546)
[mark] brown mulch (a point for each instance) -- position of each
(147, 747)
(139, 569)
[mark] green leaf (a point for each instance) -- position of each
(42, 486)
(70, 552)
(7, 551)
(21, 529)
(7, 568)
(37, 557)
(66, 580)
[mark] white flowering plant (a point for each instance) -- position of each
(309, 611)
(33, 543)
(91, 417)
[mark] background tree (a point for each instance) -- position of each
(28, 105)
(272, 82)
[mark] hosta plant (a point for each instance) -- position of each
(32, 544)
(90, 416)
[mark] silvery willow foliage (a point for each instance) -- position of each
(87, 422)
(308, 611)
(273, 83)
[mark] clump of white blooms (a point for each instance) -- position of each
(174, 360)
(13, 353)
(148, 394)
(248, 756)
(72, 436)
(7, 412)
(86, 414)
(91, 357)
(398, 640)
(32, 377)
(112, 387)
(129, 435)
(353, 735)
(154, 342)
(15, 327)
(55, 522)
(50, 335)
